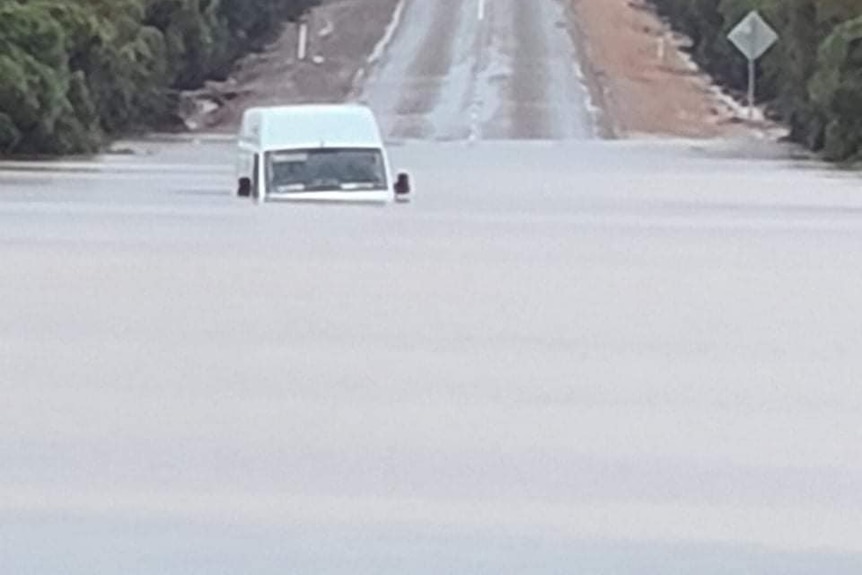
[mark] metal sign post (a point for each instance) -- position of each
(753, 36)
(752, 82)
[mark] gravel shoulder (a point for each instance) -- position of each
(647, 85)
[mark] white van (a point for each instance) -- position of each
(331, 152)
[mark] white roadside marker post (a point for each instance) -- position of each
(302, 47)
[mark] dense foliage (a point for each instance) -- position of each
(812, 77)
(74, 71)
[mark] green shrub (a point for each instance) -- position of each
(73, 72)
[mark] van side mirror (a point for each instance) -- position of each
(402, 187)
(244, 190)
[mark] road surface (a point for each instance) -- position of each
(481, 69)
(614, 358)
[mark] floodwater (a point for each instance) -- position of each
(560, 357)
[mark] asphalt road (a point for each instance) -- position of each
(613, 358)
(481, 69)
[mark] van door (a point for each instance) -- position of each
(255, 177)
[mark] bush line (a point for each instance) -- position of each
(811, 79)
(74, 73)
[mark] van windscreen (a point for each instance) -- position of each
(325, 169)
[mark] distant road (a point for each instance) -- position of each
(481, 69)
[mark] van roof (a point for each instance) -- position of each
(311, 126)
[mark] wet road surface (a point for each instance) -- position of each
(627, 359)
(458, 71)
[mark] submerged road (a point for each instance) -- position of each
(481, 69)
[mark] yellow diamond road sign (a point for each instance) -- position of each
(753, 36)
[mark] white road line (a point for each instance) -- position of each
(383, 44)
(377, 53)
(476, 103)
